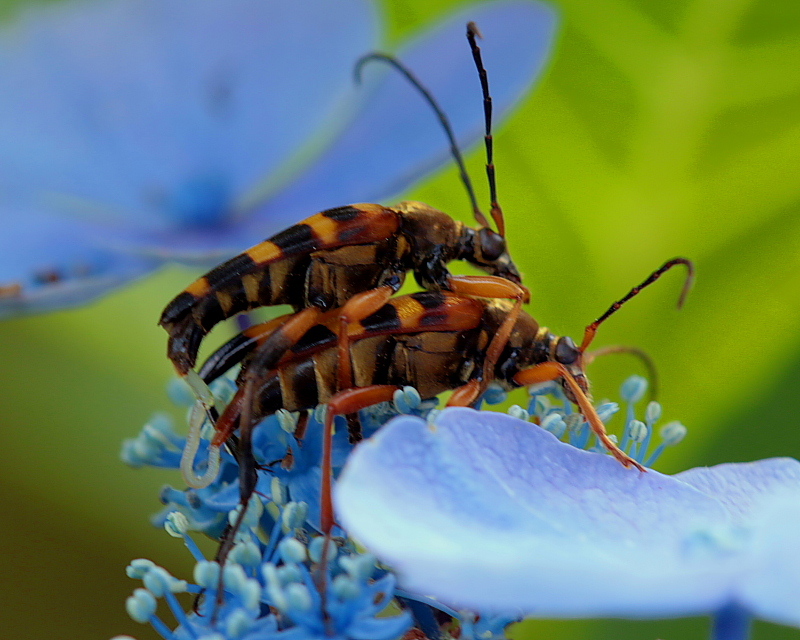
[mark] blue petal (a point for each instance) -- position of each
(162, 119)
(489, 512)
(743, 488)
(770, 588)
(395, 138)
(762, 498)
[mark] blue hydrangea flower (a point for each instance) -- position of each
(485, 511)
(284, 510)
(276, 561)
(273, 591)
(133, 132)
(289, 466)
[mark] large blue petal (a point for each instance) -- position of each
(158, 118)
(395, 138)
(492, 513)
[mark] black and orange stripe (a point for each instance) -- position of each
(414, 313)
(272, 272)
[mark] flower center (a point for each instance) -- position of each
(202, 201)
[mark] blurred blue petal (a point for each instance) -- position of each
(139, 131)
(486, 511)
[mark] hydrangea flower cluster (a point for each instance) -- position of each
(274, 581)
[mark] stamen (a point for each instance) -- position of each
(673, 433)
(292, 550)
(633, 389)
(141, 606)
(554, 423)
(637, 430)
(176, 524)
(298, 597)
(246, 553)
(406, 400)
(494, 394)
(238, 623)
(345, 588)
(316, 547)
(206, 574)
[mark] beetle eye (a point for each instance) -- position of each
(492, 245)
(566, 351)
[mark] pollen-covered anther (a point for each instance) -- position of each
(278, 492)
(317, 545)
(673, 432)
(176, 524)
(292, 550)
(141, 606)
(607, 410)
(555, 424)
(293, 516)
(653, 413)
(495, 394)
(637, 431)
(518, 412)
(298, 597)
(633, 389)
(238, 623)
(246, 553)
(159, 581)
(345, 588)
(206, 574)
(406, 400)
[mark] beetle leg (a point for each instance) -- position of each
(492, 287)
(344, 402)
(488, 287)
(547, 371)
(357, 308)
(239, 347)
(466, 395)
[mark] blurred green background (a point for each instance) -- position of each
(661, 129)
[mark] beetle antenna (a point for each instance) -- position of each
(591, 330)
(496, 212)
(440, 115)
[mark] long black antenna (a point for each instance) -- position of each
(443, 120)
(496, 212)
(590, 331)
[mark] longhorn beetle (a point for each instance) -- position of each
(433, 340)
(351, 258)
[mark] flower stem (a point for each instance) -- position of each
(732, 622)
